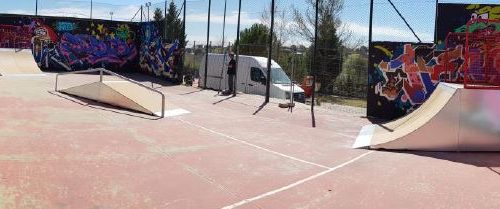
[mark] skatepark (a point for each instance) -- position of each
(99, 136)
(64, 151)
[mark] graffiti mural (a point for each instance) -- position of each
(401, 77)
(453, 18)
(13, 36)
(73, 44)
(157, 57)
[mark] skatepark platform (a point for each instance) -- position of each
(18, 62)
(452, 119)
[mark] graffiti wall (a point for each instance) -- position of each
(157, 57)
(451, 29)
(400, 78)
(453, 18)
(73, 44)
(403, 75)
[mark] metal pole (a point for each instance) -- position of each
(208, 40)
(435, 23)
(141, 13)
(36, 8)
(237, 48)
(268, 81)
(91, 6)
(184, 19)
(314, 64)
(370, 36)
(184, 45)
(148, 15)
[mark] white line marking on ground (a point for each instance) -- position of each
(296, 183)
(174, 112)
(253, 145)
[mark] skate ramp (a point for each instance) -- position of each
(14, 62)
(452, 119)
(122, 94)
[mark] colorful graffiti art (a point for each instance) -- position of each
(401, 78)
(157, 57)
(72, 44)
(13, 36)
(403, 75)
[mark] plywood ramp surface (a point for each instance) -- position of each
(17, 62)
(121, 94)
(435, 126)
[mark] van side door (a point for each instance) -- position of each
(257, 81)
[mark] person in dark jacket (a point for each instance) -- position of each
(231, 71)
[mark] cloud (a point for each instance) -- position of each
(231, 18)
(119, 12)
(387, 33)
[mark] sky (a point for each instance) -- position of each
(387, 25)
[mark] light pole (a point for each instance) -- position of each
(111, 13)
(36, 8)
(148, 5)
(91, 5)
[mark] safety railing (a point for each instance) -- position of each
(102, 71)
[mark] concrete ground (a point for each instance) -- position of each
(58, 151)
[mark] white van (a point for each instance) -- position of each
(251, 76)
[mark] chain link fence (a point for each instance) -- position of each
(342, 47)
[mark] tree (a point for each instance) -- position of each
(254, 40)
(328, 55)
(174, 30)
(173, 26)
(354, 79)
(158, 19)
(281, 29)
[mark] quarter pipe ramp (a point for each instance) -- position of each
(452, 119)
(13, 61)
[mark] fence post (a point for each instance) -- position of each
(206, 51)
(314, 64)
(237, 47)
(268, 81)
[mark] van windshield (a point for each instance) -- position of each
(278, 76)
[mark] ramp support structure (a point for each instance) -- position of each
(101, 73)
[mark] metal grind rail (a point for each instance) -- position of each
(102, 71)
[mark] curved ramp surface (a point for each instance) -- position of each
(120, 93)
(452, 119)
(14, 61)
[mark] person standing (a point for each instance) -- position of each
(231, 71)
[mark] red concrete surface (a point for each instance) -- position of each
(58, 151)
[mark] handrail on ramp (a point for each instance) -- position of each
(102, 70)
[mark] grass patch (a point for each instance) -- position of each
(353, 102)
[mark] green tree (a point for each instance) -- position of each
(328, 57)
(174, 30)
(353, 79)
(158, 19)
(174, 26)
(254, 40)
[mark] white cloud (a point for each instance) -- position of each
(119, 13)
(387, 33)
(231, 19)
